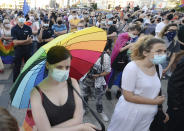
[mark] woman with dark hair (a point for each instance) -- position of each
(169, 34)
(141, 85)
(55, 105)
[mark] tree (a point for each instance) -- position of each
(52, 4)
(94, 6)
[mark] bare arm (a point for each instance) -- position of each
(23, 42)
(7, 38)
(40, 35)
(180, 42)
(114, 34)
(125, 48)
(131, 97)
(41, 119)
(170, 63)
(60, 33)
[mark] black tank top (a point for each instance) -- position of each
(58, 114)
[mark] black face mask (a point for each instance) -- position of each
(60, 22)
(114, 22)
(170, 17)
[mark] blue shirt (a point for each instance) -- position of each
(58, 28)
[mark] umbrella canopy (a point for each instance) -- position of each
(85, 47)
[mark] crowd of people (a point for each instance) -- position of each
(137, 40)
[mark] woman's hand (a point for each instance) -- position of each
(159, 100)
(166, 118)
(165, 70)
(88, 127)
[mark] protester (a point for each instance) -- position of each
(60, 108)
(111, 33)
(175, 96)
(74, 21)
(6, 32)
(21, 34)
(60, 27)
(81, 24)
(137, 106)
(169, 35)
(121, 42)
(45, 34)
(167, 17)
(95, 80)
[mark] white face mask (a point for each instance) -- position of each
(46, 25)
(21, 20)
(7, 25)
(159, 59)
(59, 75)
(31, 18)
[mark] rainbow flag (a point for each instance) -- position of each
(7, 50)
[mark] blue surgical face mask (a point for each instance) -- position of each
(171, 35)
(159, 59)
(110, 22)
(21, 20)
(59, 75)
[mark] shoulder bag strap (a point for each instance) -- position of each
(86, 104)
(160, 93)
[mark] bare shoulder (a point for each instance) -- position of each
(35, 95)
(75, 84)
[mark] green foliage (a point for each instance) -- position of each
(94, 6)
(180, 9)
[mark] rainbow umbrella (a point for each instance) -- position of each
(85, 46)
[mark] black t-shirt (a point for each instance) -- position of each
(49, 33)
(180, 36)
(111, 29)
(180, 33)
(19, 33)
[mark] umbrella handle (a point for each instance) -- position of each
(92, 112)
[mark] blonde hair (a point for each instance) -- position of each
(7, 121)
(165, 29)
(144, 43)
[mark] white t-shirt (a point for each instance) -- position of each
(159, 27)
(136, 81)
